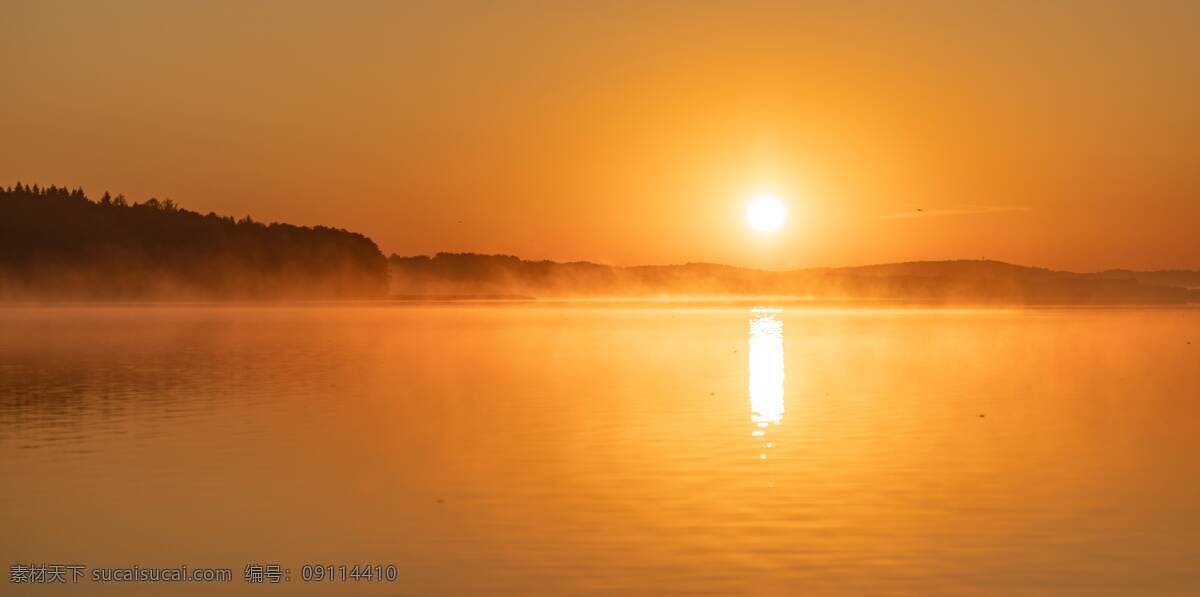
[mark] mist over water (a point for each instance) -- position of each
(601, 448)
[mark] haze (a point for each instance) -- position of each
(1061, 135)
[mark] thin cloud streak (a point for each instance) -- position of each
(956, 211)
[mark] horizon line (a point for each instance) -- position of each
(790, 270)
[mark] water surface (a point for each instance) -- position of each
(608, 449)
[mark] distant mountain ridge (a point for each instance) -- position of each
(57, 244)
(926, 281)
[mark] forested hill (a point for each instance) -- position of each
(963, 281)
(59, 244)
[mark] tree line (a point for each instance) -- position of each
(57, 243)
(958, 281)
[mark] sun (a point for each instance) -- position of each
(766, 213)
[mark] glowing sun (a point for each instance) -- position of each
(766, 213)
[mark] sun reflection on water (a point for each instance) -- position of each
(766, 373)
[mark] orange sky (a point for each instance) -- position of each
(1066, 136)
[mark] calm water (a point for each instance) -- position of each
(607, 449)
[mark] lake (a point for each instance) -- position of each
(608, 447)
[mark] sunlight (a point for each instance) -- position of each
(766, 213)
(766, 371)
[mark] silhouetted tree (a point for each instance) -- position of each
(58, 243)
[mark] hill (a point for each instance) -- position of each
(58, 244)
(926, 281)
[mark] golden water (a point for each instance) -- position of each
(608, 448)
